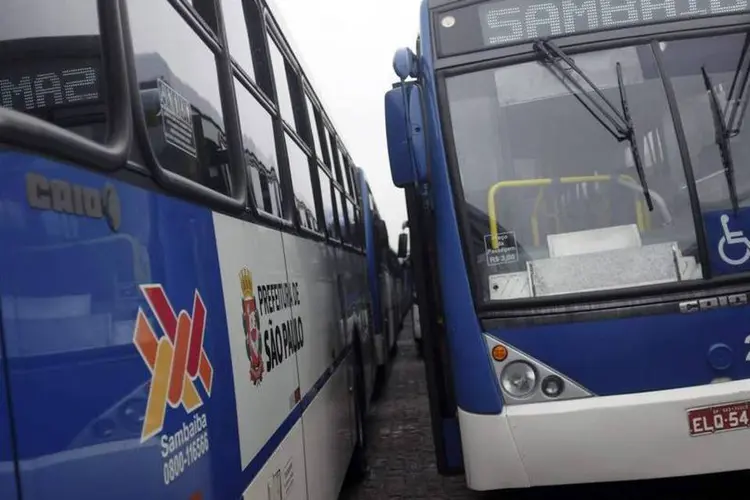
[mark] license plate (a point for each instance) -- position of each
(719, 418)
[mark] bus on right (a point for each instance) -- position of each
(577, 177)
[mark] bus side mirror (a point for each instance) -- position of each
(405, 134)
(403, 245)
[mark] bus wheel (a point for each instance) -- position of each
(358, 465)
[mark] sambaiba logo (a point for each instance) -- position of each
(176, 359)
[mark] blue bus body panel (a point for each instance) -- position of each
(652, 352)
(70, 298)
(373, 275)
(8, 486)
(473, 377)
(638, 354)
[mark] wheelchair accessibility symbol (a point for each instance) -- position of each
(733, 238)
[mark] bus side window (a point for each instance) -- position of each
(327, 197)
(51, 64)
(304, 201)
(237, 35)
(314, 131)
(179, 88)
(259, 147)
(339, 196)
(353, 240)
(278, 62)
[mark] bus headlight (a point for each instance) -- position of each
(552, 386)
(519, 379)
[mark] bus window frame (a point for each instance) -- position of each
(25, 131)
(311, 159)
(189, 6)
(237, 201)
(312, 130)
(625, 297)
(333, 238)
(297, 88)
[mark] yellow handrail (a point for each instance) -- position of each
(548, 182)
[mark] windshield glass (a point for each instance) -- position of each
(554, 201)
(683, 61)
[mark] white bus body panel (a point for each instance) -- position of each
(329, 436)
(283, 476)
(263, 407)
(313, 265)
(312, 459)
(598, 439)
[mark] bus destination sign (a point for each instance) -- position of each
(33, 86)
(505, 22)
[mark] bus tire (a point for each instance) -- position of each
(358, 465)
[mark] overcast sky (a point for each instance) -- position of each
(347, 49)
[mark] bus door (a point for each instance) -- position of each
(445, 429)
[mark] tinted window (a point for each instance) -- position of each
(303, 191)
(260, 151)
(341, 215)
(180, 93)
(340, 172)
(348, 175)
(358, 228)
(282, 84)
(684, 63)
(313, 127)
(352, 223)
(328, 159)
(54, 79)
(325, 193)
(237, 37)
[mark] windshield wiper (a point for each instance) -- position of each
(738, 104)
(727, 124)
(616, 122)
(722, 133)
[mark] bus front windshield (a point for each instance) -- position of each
(555, 203)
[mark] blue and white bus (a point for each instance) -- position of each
(183, 283)
(579, 205)
(385, 283)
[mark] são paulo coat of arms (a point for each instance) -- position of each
(251, 323)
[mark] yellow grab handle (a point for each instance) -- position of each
(540, 182)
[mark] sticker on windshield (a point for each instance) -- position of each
(506, 251)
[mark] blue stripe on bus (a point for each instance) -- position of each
(264, 454)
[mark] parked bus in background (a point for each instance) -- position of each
(383, 279)
(577, 196)
(409, 302)
(183, 282)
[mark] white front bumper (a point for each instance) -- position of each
(614, 438)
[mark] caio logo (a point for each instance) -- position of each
(68, 198)
(176, 359)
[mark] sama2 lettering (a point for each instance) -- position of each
(177, 361)
(281, 336)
